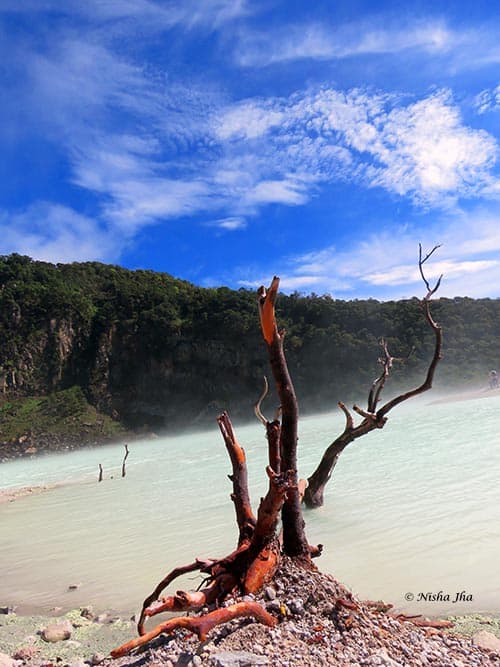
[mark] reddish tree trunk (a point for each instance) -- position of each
(294, 538)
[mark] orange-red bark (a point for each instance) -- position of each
(262, 568)
(239, 477)
(266, 311)
(201, 625)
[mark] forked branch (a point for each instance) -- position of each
(374, 417)
(201, 625)
(438, 341)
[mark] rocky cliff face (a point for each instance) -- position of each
(154, 352)
(184, 382)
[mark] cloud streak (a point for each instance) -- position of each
(155, 16)
(322, 42)
(433, 40)
(384, 264)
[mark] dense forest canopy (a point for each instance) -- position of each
(147, 348)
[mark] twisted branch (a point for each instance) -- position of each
(201, 625)
(372, 417)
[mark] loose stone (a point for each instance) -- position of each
(270, 593)
(486, 640)
(56, 632)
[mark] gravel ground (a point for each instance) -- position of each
(314, 629)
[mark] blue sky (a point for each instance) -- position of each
(224, 141)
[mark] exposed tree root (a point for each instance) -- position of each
(423, 622)
(201, 625)
(251, 565)
(417, 619)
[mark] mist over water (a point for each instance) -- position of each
(414, 508)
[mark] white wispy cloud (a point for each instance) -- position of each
(419, 149)
(288, 191)
(427, 150)
(384, 263)
(247, 120)
(405, 274)
(56, 233)
(488, 100)
(229, 224)
(155, 15)
(134, 183)
(323, 42)
(433, 41)
(127, 134)
(75, 83)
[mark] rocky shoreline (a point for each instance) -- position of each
(320, 623)
(50, 443)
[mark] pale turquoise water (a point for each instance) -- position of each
(413, 508)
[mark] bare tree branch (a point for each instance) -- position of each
(257, 407)
(241, 498)
(438, 342)
(372, 417)
(421, 262)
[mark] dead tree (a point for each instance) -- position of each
(259, 547)
(375, 417)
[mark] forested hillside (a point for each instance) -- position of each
(154, 352)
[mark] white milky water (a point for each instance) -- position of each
(410, 509)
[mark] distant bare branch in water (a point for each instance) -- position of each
(374, 417)
(100, 473)
(124, 459)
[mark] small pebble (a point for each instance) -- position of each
(87, 612)
(270, 593)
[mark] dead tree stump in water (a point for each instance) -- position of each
(124, 459)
